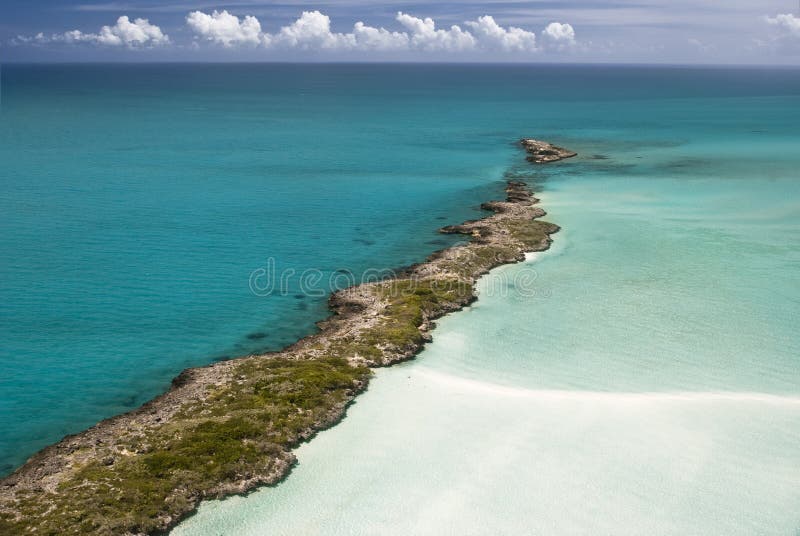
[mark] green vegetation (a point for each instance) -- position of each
(407, 303)
(531, 233)
(410, 301)
(241, 430)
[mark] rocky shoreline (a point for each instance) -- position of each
(229, 427)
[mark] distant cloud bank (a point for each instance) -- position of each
(127, 33)
(625, 31)
(785, 37)
(786, 23)
(312, 32)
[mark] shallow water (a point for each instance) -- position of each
(425, 453)
(641, 377)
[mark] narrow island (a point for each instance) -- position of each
(229, 427)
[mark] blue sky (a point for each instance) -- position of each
(641, 31)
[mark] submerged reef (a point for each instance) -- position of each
(231, 426)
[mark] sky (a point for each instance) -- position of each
(580, 31)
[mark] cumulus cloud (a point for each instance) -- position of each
(225, 29)
(424, 35)
(786, 24)
(369, 38)
(785, 35)
(493, 36)
(312, 31)
(558, 36)
(125, 33)
(137, 33)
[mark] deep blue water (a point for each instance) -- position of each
(138, 199)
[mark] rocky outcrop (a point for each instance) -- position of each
(541, 152)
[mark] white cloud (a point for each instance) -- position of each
(75, 36)
(369, 38)
(312, 31)
(787, 24)
(558, 36)
(492, 36)
(27, 40)
(223, 28)
(784, 37)
(131, 34)
(424, 35)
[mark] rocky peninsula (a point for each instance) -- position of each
(229, 427)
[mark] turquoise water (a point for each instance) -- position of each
(137, 201)
(649, 384)
(641, 377)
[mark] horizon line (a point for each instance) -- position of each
(408, 63)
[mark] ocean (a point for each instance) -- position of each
(648, 383)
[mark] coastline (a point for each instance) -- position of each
(229, 427)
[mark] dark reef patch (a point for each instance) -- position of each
(257, 336)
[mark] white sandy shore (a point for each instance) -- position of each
(465, 384)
